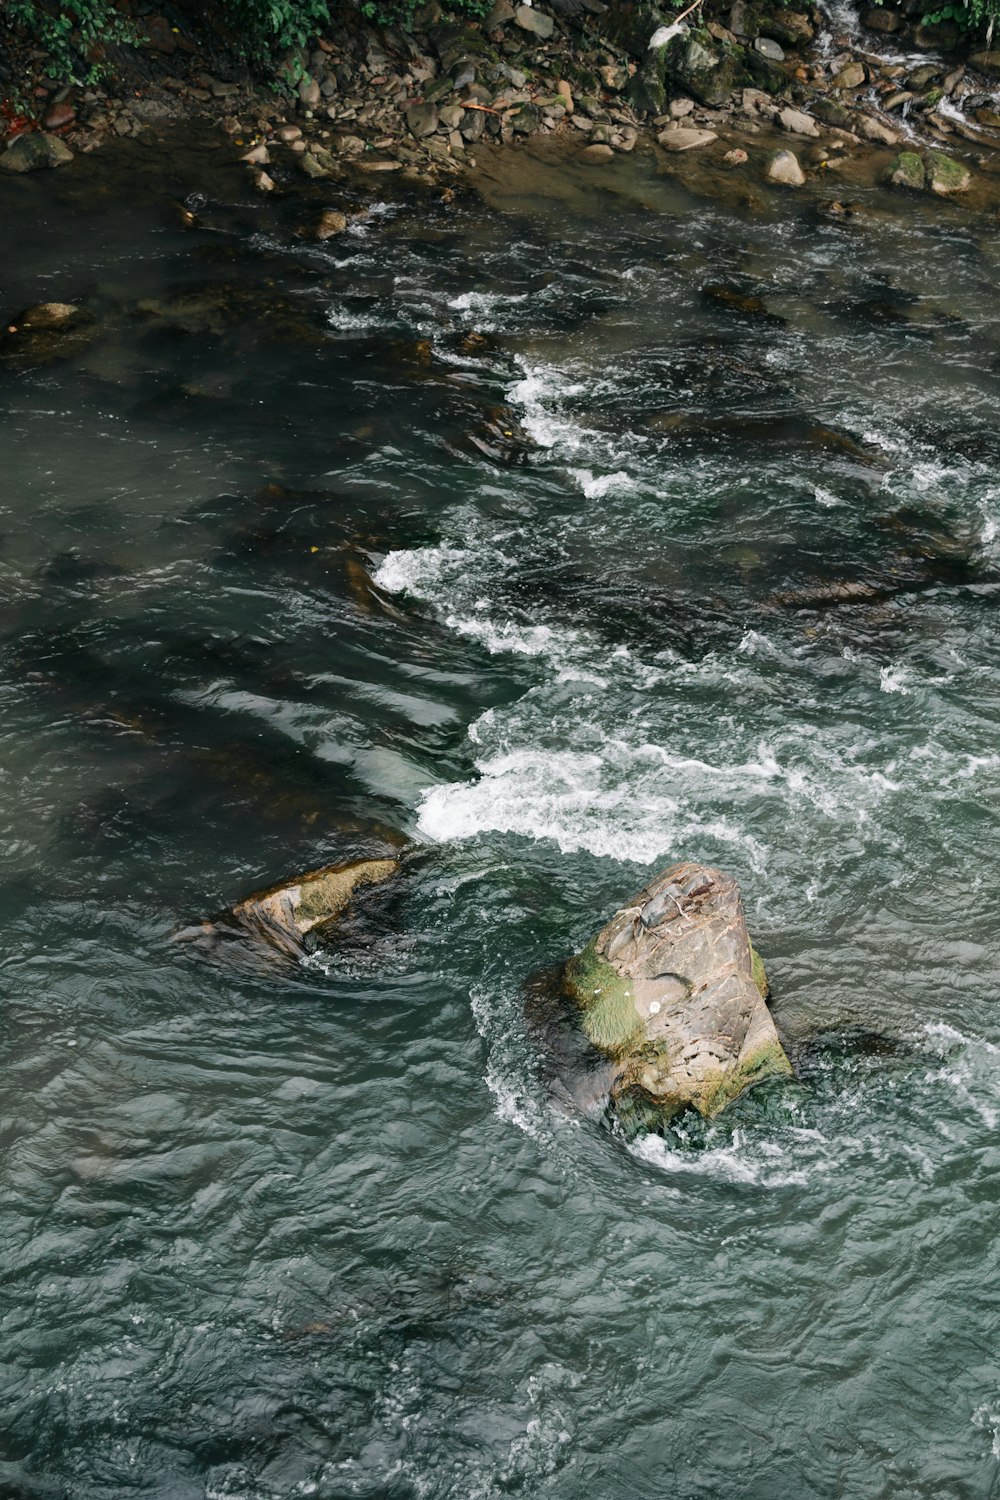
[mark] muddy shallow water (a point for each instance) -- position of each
(561, 536)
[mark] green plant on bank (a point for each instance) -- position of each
(970, 15)
(404, 12)
(269, 27)
(75, 35)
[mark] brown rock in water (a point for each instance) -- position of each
(282, 916)
(48, 315)
(330, 223)
(681, 138)
(673, 993)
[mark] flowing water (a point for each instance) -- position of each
(655, 577)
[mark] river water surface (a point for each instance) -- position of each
(654, 578)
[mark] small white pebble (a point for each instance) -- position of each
(654, 1007)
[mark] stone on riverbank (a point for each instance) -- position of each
(708, 76)
(684, 139)
(34, 152)
(536, 22)
(673, 993)
(797, 122)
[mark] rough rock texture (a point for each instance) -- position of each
(945, 175)
(907, 171)
(684, 139)
(706, 75)
(797, 122)
(284, 914)
(31, 153)
(783, 168)
(534, 21)
(673, 992)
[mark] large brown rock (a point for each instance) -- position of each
(672, 992)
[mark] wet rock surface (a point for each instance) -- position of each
(285, 915)
(672, 994)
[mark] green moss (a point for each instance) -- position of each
(945, 175)
(769, 1061)
(608, 1014)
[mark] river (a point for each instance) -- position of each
(659, 573)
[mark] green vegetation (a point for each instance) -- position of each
(608, 1014)
(269, 27)
(971, 15)
(75, 35)
(404, 12)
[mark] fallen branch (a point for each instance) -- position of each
(685, 13)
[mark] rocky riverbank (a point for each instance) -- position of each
(784, 99)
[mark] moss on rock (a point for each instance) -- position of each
(608, 1015)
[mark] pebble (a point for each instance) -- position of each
(596, 153)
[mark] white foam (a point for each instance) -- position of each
(893, 679)
(749, 1159)
(987, 1418)
(582, 801)
(596, 486)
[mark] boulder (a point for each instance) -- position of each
(797, 122)
(684, 139)
(907, 171)
(422, 119)
(945, 175)
(788, 26)
(283, 916)
(769, 48)
(33, 152)
(874, 130)
(632, 27)
(987, 62)
(49, 315)
(330, 222)
(707, 75)
(880, 18)
(673, 994)
(850, 77)
(536, 22)
(784, 170)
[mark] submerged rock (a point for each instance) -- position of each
(672, 993)
(283, 916)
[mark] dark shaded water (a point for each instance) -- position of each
(656, 578)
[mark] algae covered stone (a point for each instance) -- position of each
(907, 171)
(672, 991)
(946, 175)
(282, 917)
(284, 914)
